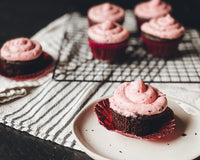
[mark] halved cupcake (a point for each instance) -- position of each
(23, 58)
(136, 110)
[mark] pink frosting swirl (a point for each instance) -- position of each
(152, 9)
(106, 11)
(132, 98)
(21, 49)
(108, 32)
(165, 27)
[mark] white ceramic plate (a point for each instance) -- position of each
(101, 144)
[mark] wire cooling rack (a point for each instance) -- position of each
(75, 62)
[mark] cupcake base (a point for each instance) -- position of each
(22, 70)
(108, 52)
(105, 118)
(160, 47)
(141, 125)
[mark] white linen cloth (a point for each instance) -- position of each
(47, 111)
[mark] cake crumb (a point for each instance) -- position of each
(195, 133)
(92, 130)
(86, 130)
(183, 134)
(168, 144)
(120, 151)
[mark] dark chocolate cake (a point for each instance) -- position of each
(16, 68)
(141, 125)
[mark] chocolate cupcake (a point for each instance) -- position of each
(161, 36)
(22, 56)
(108, 41)
(145, 11)
(136, 110)
(105, 11)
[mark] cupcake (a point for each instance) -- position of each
(106, 11)
(145, 11)
(23, 57)
(136, 110)
(108, 41)
(162, 35)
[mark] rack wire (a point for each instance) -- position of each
(75, 62)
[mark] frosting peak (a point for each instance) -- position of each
(106, 6)
(108, 33)
(21, 49)
(106, 11)
(107, 25)
(165, 27)
(155, 2)
(138, 92)
(132, 98)
(138, 86)
(166, 20)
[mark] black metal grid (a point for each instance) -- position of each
(75, 62)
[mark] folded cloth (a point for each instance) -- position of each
(11, 94)
(11, 89)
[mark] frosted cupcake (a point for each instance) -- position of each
(145, 11)
(108, 41)
(106, 11)
(162, 35)
(22, 56)
(136, 110)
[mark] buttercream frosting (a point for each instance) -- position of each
(21, 49)
(165, 27)
(132, 98)
(108, 32)
(152, 9)
(106, 11)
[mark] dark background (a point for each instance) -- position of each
(24, 18)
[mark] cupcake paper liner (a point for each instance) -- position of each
(103, 112)
(108, 52)
(48, 64)
(161, 49)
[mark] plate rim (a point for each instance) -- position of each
(82, 146)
